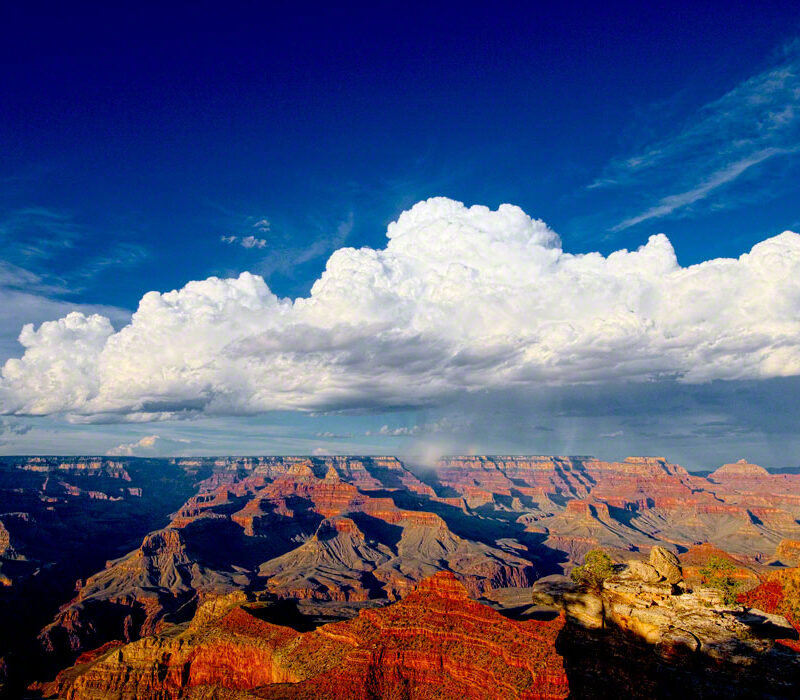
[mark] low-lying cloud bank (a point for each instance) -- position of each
(460, 300)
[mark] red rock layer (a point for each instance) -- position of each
(436, 643)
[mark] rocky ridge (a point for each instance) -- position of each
(436, 643)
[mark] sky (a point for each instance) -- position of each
(274, 228)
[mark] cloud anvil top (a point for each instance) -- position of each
(460, 299)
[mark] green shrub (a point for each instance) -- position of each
(596, 568)
(718, 573)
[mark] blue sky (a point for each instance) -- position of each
(144, 147)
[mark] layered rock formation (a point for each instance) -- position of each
(324, 529)
(436, 643)
(580, 503)
(340, 534)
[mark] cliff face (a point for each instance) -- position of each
(436, 643)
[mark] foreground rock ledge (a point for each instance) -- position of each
(435, 643)
(646, 638)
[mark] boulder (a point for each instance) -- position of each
(666, 563)
(642, 571)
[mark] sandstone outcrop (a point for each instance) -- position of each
(644, 571)
(659, 642)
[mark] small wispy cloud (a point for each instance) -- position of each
(286, 259)
(18, 278)
(324, 244)
(253, 242)
(443, 425)
(120, 255)
(39, 232)
(403, 431)
(667, 205)
(53, 253)
(250, 241)
(425, 428)
(386, 431)
(755, 122)
(245, 241)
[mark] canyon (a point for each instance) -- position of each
(99, 555)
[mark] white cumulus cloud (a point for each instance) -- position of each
(133, 449)
(148, 446)
(461, 299)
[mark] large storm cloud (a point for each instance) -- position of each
(461, 299)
